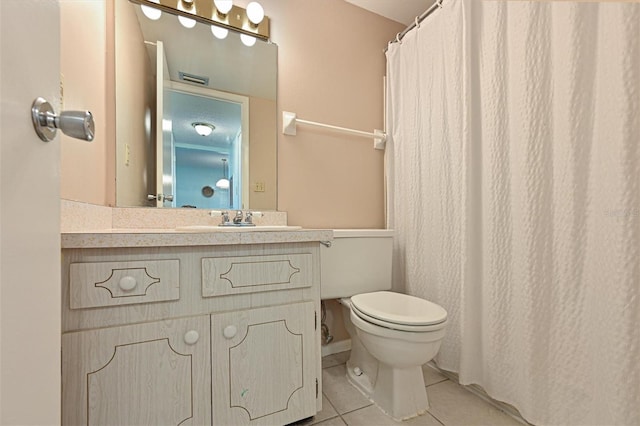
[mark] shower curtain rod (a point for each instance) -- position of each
(418, 20)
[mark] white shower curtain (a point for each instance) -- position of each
(514, 188)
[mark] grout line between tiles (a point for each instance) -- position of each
(437, 419)
(336, 410)
(443, 380)
(429, 412)
(353, 411)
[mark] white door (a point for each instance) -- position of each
(164, 134)
(29, 216)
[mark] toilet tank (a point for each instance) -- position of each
(358, 261)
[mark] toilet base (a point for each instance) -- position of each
(398, 392)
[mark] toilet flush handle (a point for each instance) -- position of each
(77, 124)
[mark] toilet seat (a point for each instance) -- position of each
(399, 311)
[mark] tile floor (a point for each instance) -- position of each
(451, 404)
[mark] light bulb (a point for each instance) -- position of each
(255, 12)
(223, 183)
(247, 40)
(151, 12)
(223, 6)
(187, 22)
(219, 32)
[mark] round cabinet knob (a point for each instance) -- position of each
(127, 283)
(191, 337)
(230, 331)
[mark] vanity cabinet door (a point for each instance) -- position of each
(144, 374)
(264, 369)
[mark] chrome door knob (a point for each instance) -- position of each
(76, 124)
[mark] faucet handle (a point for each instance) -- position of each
(224, 214)
(249, 217)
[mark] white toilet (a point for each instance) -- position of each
(392, 334)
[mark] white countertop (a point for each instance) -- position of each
(111, 238)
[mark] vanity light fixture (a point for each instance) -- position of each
(203, 129)
(151, 12)
(255, 13)
(221, 13)
(223, 6)
(188, 7)
(224, 182)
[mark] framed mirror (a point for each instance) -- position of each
(195, 115)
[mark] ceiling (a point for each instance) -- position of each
(403, 11)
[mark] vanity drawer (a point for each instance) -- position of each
(248, 274)
(99, 284)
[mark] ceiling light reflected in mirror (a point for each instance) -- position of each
(219, 32)
(151, 12)
(187, 22)
(223, 183)
(247, 40)
(203, 129)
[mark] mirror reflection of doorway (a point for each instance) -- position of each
(207, 142)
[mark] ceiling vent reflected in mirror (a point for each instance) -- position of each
(192, 78)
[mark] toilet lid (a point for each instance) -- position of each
(397, 308)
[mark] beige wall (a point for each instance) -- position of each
(85, 174)
(262, 133)
(135, 91)
(330, 69)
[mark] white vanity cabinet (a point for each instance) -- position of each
(201, 334)
(144, 374)
(260, 364)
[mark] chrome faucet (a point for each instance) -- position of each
(238, 217)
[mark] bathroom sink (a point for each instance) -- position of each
(216, 228)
